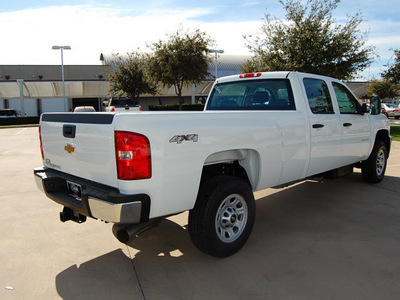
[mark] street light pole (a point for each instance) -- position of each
(62, 71)
(216, 59)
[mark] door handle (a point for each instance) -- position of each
(347, 124)
(318, 125)
(69, 131)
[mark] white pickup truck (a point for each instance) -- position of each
(257, 131)
(122, 104)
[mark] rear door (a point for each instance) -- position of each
(325, 126)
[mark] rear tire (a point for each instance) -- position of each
(373, 169)
(223, 217)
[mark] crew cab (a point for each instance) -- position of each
(257, 131)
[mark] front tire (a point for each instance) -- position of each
(223, 217)
(373, 169)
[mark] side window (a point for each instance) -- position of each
(318, 96)
(348, 104)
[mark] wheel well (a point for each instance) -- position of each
(241, 163)
(230, 168)
(383, 135)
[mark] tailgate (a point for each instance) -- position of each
(127, 109)
(80, 144)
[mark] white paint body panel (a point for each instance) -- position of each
(275, 147)
(93, 157)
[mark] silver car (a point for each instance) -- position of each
(392, 110)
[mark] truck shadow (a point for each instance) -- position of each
(314, 239)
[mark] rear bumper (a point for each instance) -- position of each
(96, 201)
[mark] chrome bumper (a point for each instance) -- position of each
(124, 213)
(97, 201)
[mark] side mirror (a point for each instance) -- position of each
(375, 105)
(364, 108)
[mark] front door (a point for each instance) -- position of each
(356, 134)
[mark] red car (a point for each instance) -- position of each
(384, 111)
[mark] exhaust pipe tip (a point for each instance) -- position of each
(123, 236)
(126, 233)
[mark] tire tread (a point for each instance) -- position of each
(200, 225)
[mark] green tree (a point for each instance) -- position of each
(393, 73)
(310, 40)
(180, 61)
(383, 88)
(129, 76)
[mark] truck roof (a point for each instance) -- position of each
(266, 75)
(256, 75)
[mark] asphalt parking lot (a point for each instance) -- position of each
(318, 239)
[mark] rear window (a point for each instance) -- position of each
(263, 94)
(122, 101)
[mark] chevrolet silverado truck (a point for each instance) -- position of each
(257, 131)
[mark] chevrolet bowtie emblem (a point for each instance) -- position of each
(69, 148)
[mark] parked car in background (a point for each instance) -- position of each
(84, 109)
(392, 110)
(383, 111)
(122, 104)
(9, 113)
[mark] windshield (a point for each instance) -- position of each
(263, 94)
(391, 106)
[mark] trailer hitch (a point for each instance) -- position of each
(68, 214)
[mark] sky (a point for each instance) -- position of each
(29, 28)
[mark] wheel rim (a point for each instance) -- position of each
(231, 218)
(380, 162)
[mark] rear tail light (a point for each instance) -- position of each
(133, 156)
(40, 139)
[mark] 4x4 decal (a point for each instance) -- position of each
(180, 138)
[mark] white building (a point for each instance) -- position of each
(32, 90)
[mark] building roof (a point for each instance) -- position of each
(53, 72)
(359, 88)
(44, 81)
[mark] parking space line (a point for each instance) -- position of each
(21, 131)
